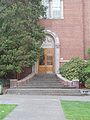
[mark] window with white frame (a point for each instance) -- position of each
(54, 8)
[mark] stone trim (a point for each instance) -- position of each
(64, 61)
(56, 48)
(14, 83)
(68, 83)
(25, 80)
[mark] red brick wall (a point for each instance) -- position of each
(69, 29)
(86, 4)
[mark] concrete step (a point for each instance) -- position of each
(45, 87)
(62, 92)
(45, 77)
(49, 80)
(44, 84)
(44, 80)
(29, 87)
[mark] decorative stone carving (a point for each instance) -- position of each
(48, 43)
(57, 46)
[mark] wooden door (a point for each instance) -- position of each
(46, 61)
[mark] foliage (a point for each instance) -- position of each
(88, 67)
(87, 83)
(21, 35)
(74, 69)
(88, 51)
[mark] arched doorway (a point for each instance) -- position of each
(46, 58)
(49, 60)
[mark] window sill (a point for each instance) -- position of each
(52, 18)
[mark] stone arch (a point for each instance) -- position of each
(57, 49)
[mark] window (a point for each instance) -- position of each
(54, 8)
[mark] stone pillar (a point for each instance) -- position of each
(33, 68)
(36, 67)
(13, 83)
(75, 83)
(57, 58)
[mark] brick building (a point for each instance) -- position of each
(68, 25)
(68, 33)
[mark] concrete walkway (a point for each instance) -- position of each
(34, 107)
(37, 107)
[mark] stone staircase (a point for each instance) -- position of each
(44, 84)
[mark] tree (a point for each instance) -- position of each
(21, 35)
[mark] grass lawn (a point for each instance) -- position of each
(75, 110)
(5, 109)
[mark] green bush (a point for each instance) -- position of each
(88, 61)
(88, 51)
(74, 69)
(88, 68)
(87, 83)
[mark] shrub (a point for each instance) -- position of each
(87, 83)
(88, 51)
(75, 69)
(87, 69)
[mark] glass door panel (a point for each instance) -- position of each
(46, 60)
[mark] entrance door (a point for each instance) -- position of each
(46, 61)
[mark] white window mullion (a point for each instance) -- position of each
(50, 8)
(61, 8)
(56, 9)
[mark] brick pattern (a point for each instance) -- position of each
(73, 31)
(86, 4)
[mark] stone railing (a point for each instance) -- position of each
(69, 83)
(14, 83)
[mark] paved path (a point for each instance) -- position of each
(34, 107)
(38, 107)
